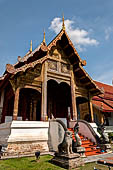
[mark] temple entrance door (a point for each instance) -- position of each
(59, 99)
(38, 111)
(82, 109)
(30, 104)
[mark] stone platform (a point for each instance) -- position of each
(68, 161)
(80, 150)
(23, 137)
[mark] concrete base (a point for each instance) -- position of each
(24, 137)
(68, 161)
(24, 148)
(105, 147)
(80, 150)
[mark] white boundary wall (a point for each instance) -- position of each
(24, 136)
(28, 131)
(5, 130)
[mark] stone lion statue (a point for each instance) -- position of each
(66, 145)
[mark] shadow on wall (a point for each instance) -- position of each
(56, 134)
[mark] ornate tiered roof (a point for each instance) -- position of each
(41, 53)
(104, 102)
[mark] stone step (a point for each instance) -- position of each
(92, 153)
(87, 142)
(90, 148)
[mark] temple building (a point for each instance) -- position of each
(48, 82)
(102, 106)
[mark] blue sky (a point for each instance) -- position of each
(89, 24)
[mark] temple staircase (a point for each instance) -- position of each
(90, 147)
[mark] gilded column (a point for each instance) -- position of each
(91, 111)
(101, 117)
(44, 93)
(74, 110)
(16, 102)
(91, 108)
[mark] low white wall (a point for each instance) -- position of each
(29, 131)
(24, 137)
(108, 129)
(5, 129)
(94, 126)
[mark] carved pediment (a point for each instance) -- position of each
(52, 65)
(65, 68)
(55, 53)
(58, 53)
(28, 77)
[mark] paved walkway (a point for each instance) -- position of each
(107, 160)
(108, 157)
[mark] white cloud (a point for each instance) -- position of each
(79, 37)
(108, 31)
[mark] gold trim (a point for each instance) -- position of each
(31, 46)
(63, 25)
(44, 40)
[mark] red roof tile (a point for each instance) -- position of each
(104, 101)
(102, 106)
(105, 87)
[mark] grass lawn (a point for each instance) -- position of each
(29, 163)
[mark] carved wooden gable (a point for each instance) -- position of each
(59, 61)
(30, 77)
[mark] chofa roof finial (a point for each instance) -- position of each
(31, 46)
(63, 25)
(44, 40)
